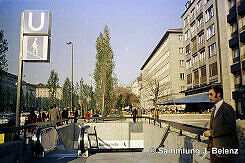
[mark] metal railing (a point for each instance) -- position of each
(16, 130)
(180, 126)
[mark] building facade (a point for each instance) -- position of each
(207, 54)
(8, 91)
(163, 72)
(42, 91)
(236, 23)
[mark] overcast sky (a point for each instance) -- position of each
(136, 26)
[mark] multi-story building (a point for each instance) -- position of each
(236, 24)
(43, 91)
(163, 72)
(207, 54)
(8, 91)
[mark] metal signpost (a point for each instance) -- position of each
(35, 32)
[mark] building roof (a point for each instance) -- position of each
(8, 74)
(165, 36)
(40, 85)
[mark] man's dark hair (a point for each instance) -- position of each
(218, 89)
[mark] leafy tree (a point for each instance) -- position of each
(3, 65)
(3, 50)
(67, 92)
(53, 84)
(103, 74)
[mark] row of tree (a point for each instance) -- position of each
(104, 97)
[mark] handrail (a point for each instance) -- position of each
(4, 129)
(189, 128)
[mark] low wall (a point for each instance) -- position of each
(119, 135)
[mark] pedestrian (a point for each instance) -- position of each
(156, 113)
(65, 115)
(43, 116)
(222, 133)
(75, 115)
(139, 114)
(87, 114)
(134, 114)
(32, 119)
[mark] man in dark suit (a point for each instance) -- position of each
(222, 133)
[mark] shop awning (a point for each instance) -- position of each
(201, 98)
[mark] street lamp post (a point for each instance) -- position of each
(69, 42)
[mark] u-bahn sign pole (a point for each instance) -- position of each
(35, 32)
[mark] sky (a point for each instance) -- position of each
(136, 27)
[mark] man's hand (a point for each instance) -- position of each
(207, 133)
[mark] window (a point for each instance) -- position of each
(213, 69)
(192, 12)
(182, 76)
(201, 38)
(210, 31)
(202, 55)
(237, 80)
(199, 5)
(209, 13)
(234, 27)
(195, 58)
(180, 50)
(212, 50)
(187, 49)
(200, 21)
(235, 55)
(196, 77)
(187, 35)
(186, 21)
(203, 71)
(189, 79)
(193, 27)
(180, 37)
(182, 63)
(188, 64)
(205, 2)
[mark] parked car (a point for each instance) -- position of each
(7, 118)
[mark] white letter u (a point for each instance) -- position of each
(41, 24)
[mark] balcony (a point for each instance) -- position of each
(242, 37)
(243, 65)
(233, 42)
(241, 8)
(231, 17)
(236, 60)
(236, 95)
(235, 68)
(201, 45)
